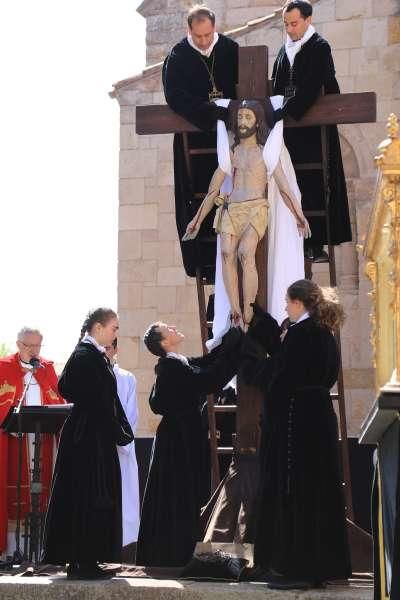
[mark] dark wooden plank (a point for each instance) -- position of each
(328, 110)
(253, 72)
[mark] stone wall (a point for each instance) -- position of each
(365, 38)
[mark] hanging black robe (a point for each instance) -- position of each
(170, 518)
(300, 525)
(313, 69)
(186, 86)
(84, 517)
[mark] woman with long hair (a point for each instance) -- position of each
(84, 520)
(301, 538)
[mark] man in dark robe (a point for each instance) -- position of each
(170, 519)
(303, 67)
(200, 68)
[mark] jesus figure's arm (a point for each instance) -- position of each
(290, 201)
(214, 188)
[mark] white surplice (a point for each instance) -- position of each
(285, 245)
(126, 384)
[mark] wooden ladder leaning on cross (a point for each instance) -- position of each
(328, 110)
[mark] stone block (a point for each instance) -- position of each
(384, 8)
(170, 276)
(324, 12)
(342, 62)
(134, 323)
(128, 352)
(359, 378)
(165, 173)
(394, 30)
(138, 216)
(382, 82)
(131, 191)
(149, 297)
(240, 16)
(364, 61)
(375, 32)
(139, 271)
(177, 254)
(127, 137)
(129, 245)
(127, 115)
(150, 236)
(145, 378)
(138, 163)
(167, 230)
(343, 34)
(346, 84)
(129, 295)
(353, 10)
(165, 253)
(187, 300)
(165, 297)
(271, 37)
(385, 107)
(150, 250)
(390, 57)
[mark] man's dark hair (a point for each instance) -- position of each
(263, 128)
(115, 343)
(153, 338)
(200, 12)
(303, 6)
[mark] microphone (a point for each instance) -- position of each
(35, 362)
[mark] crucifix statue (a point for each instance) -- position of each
(330, 109)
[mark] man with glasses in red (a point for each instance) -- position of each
(15, 371)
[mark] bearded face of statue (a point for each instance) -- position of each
(246, 123)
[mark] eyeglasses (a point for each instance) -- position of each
(31, 346)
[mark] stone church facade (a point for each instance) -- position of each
(365, 40)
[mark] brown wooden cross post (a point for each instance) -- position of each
(328, 110)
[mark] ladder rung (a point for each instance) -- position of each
(210, 324)
(225, 408)
(194, 151)
(334, 396)
(200, 195)
(225, 450)
(308, 166)
(315, 213)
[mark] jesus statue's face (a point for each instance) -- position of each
(247, 122)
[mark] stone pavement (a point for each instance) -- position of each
(124, 588)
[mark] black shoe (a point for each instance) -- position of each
(283, 583)
(309, 253)
(89, 572)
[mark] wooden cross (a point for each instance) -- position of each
(331, 109)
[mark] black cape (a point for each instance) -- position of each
(84, 517)
(300, 525)
(186, 86)
(170, 519)
(313, 69)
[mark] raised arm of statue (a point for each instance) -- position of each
(214, 188)
(290, 201)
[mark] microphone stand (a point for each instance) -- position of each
(18, 557)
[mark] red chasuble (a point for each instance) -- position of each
(11, 388)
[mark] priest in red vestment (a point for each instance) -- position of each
(14, 372)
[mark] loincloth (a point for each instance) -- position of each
(234, 217)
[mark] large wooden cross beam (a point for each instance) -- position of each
(332, 109)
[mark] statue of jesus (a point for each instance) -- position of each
(242, 215)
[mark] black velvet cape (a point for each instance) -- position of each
(300, 521)
(186, 86)
(313, 69)
(84, 517)
(170, 518)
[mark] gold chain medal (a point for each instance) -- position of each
(215, 94)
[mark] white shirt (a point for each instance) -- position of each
(302, 318)
(88, 339)
(293, 47)
(180, 357)
(207, 52)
